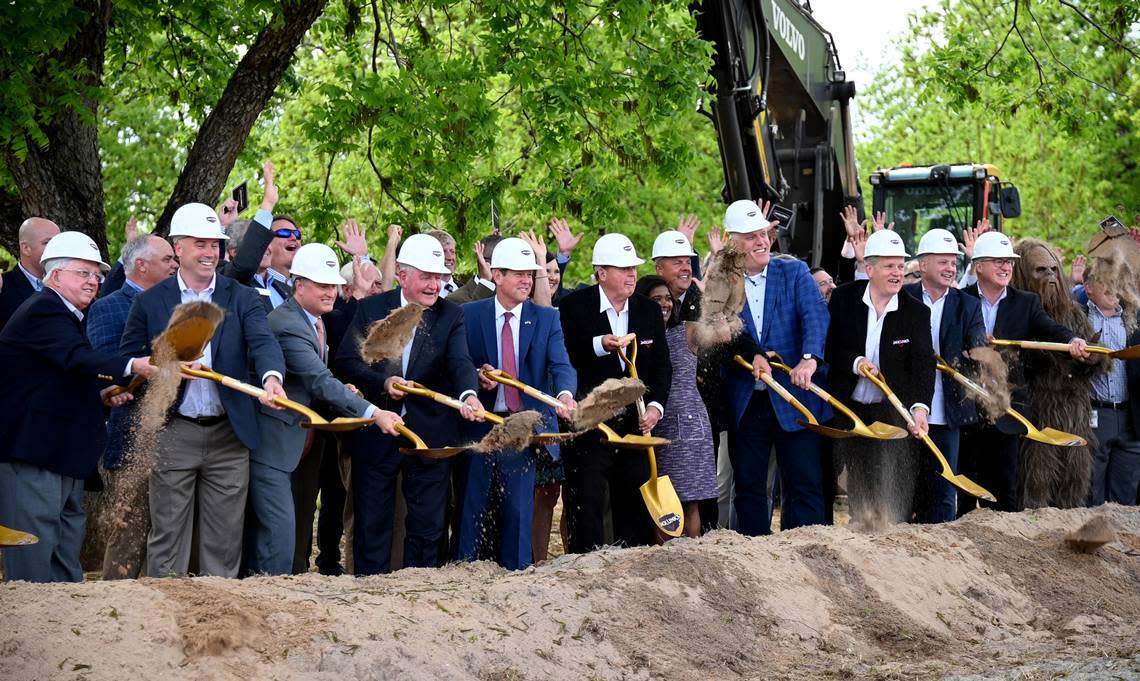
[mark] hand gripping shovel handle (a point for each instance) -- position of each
(253, 391)
(417, 389)
(500, 376)
(959, 481)
(779, 390)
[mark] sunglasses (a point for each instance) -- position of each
(285, 233)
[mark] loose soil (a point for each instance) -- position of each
(513, 433)
(993, 376)
(990, 596)
(605, 401)
(387, 337)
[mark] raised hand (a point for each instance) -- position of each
(270, 199)
(536, 244)
(364, 276)
(851, 224)
(481, 259)
(562, 234)
(971, 234)
(878, 222)
(354, 242)
(688, 225)
(228, 214)
(717, 238)
(395, 233)
(132, 228)
(1077, 270)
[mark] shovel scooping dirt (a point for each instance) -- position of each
(387, 337)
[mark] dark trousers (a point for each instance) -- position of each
(590, 468)
(375, 464)
(798, 456)
(1116, 461)
(306, 485)
(330, 520)
(989, 457)
(936, 500)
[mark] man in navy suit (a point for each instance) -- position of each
(512, 333)
(436, 357)
(203, 453)
(51, 414)
(27, 277)
(955, 327)
(783, 311)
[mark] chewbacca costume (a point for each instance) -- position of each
(1059, 388)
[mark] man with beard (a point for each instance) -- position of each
(989, 453)
(1059, 389)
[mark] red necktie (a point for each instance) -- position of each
(510, 395)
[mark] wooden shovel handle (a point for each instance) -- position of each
(253, 391)
(500, 376)
(417, 389)
(408, 433)
(779, 390)
(891, 396)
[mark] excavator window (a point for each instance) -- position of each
(917, 208)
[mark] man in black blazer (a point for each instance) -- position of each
(51, 414)
(955, 327)
(990, 452)
(593, 319)
(436, 357)
(876, 326)
(27, 276)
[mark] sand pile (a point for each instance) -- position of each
(993, 595)
(387, 337)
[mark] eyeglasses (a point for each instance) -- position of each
(285, 233)
(87, 274)
(913, 275)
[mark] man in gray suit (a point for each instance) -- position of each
(271, 532)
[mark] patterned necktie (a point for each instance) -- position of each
(510, 395)
(321, 342)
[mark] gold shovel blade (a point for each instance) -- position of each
(338, 425)
(1052, 436)
(636, 441)
(433, 453)
(553, 438)
(10, 537)
(664, 505)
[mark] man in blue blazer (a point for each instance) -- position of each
(437, 358)
(203, 453)
(785, 313)
(955, 327)
(51, 414)
(510, 332)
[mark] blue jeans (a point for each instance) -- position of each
(513, 473)
(799, 459)
(937, 499)
(50, 506)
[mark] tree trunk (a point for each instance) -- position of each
(225, 130)
(63, 181)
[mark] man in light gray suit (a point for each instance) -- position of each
(271, 531)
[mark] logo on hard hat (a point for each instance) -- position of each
(895, 241)
(627, 248)
(437, 254)
(1004, 242)
(94, 247)
(947, 239)
(525, 252)
(751, 213)
(330, 263)
(679, 242)
(210, 218)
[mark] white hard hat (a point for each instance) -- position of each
(317, 262)
(73, 245)
(671, 243)
(615, 250)
(424, 253)
(993, 245)
(198, 221)
(513, 253)
(884, 243)
(744, 217)
(938, 242)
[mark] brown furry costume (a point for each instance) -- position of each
(1059, 389)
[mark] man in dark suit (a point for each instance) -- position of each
(990, 452)
(593, 321)
(51, 414)
(298, 328)
(511, 333)
(436, 357)
(27, 276)
(782, 312)
(203, 453)
(873, 326)
(955, 327)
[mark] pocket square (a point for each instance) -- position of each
(901, 341)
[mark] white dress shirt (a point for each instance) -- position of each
(619, 326)
(407, 356)
(937, 406)
(867, 392)
(989, 312)
(516, 321)
(755, 287)
(446, 288)
(36, 282)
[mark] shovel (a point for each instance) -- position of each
(490, 417)
(188, 337)
(421, 448)
(660, 497)
(633, 441)
(960, 481)
(315, 420)
(1131, 352)
(875, 431)
(10, 537)
(1050, 436)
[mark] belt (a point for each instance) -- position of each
(203, 420)
(1101, 404)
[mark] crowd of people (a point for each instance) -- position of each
(232, 481)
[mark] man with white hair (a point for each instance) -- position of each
(594, 321)
(202, 466)
(51, 413)
(28, 275)
(437, 357)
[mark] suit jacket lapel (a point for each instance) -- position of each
(488, 324)
(749, 324)
(221, 298)
(423, 331)
(949, 313)
(773, 280)
(526, 331)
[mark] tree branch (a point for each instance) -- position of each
(1095, 25)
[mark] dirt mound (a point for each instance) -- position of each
(990, 596)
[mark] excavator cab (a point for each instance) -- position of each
(952, 197)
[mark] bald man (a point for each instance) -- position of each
(27, 277)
